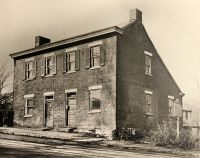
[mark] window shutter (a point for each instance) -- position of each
(102, 55)
(34, 69)
(24, 69)
(77, 60)
(43, 67)
(54, 64)
(64, 62)
(87, 58)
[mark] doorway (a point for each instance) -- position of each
(48, 122)
(70, 109)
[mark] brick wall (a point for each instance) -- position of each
(132, 81)
(82, 80)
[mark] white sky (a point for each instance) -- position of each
(173, 26)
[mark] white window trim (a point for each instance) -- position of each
(95, 43)
(29, 59)
(94, 111)
(28, 96)
(71, 90)
(148, 53)
(48, 94)
(71, 49)
(170, 97)
(148, 92)
(49, 55)
(95, 87)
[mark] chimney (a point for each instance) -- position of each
(39, 40)
(136, 15)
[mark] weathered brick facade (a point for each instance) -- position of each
(122, 78)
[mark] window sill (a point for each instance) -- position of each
(95, 67)
(148, 75)
(49, 75)
(28, 115)
(29, 79)
(69, 72)
(149, 114)
(94, 111)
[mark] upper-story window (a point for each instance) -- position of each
(48, 67)
(30, 69)
(148, 105)
(71, 61)
(95, 55)
(148, 63)
(171, 105)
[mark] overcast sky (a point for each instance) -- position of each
(173, 26)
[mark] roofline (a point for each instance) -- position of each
(69, 40)
(163, 63)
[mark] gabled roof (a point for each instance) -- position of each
(117, 28)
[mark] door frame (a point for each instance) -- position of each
(46, 94)
(67, 92)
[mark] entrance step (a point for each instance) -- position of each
(67, 129)
(46, 129)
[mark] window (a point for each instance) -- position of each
(171, 106)
(148, 107)
(147, 65)
(29, 69)
(71, 61)
(95, 56)
(28, 105)
(95, 98)
(48, 65)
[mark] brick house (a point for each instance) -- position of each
(99, 81)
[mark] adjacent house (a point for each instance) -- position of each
(101, 80)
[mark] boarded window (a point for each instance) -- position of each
(147, 65)
(95, 99)
(148, 107)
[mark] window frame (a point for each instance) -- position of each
(148, 102)
(95, 88)
(171, 106)
(70, 62)
(148, 63)
(27, 98)
(92, 65)
(28, 70)
(49, 66)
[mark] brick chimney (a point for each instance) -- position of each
(136, 15)
(39, 40)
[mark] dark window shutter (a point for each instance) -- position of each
(54, 64)
(34, 68)
(77, 60)
(102, 55)
(24, 69)
(87, 58)
(64, 62)
(43, 67)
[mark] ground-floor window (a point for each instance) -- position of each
(95, 98)
(29, 104)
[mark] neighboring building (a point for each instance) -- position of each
(99, 81)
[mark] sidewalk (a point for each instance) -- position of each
(48, 137)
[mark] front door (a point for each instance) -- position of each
(49, 112)
(71, 110)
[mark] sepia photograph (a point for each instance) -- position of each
(99, 78)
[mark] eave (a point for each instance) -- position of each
(69, 40)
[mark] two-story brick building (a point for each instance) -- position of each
(100, 80)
